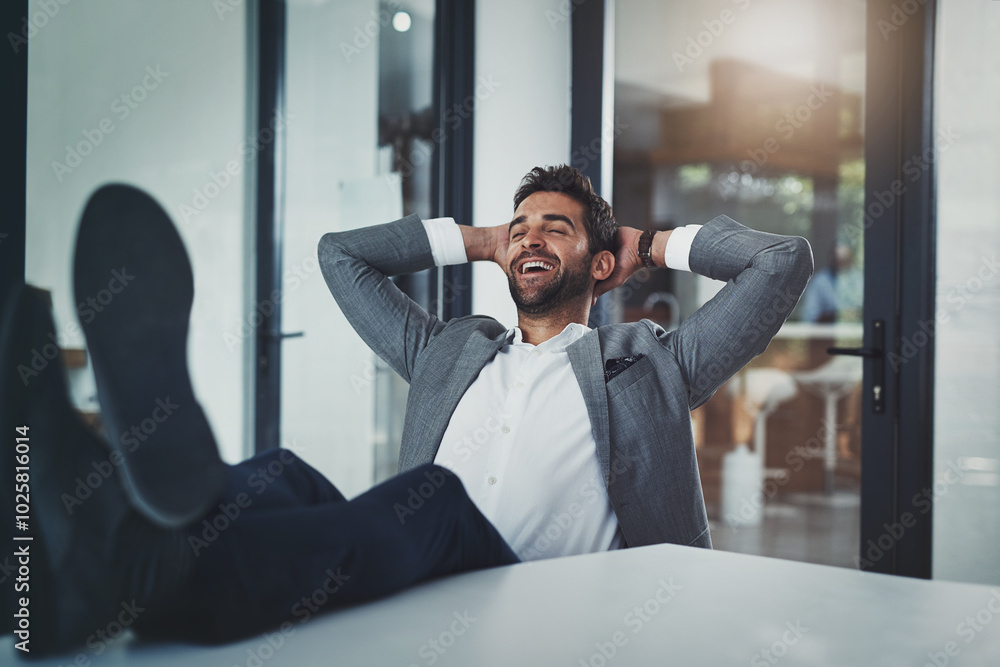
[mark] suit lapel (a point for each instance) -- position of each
(585, 357)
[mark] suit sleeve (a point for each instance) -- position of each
(357, 265)
(765, 275)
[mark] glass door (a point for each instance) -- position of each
(358, 86)
(757, 111)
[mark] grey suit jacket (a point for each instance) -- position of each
(639, 411)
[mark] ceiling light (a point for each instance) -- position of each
(401, 21)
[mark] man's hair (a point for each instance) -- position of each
(599, 218)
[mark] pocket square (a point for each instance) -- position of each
(613, 367)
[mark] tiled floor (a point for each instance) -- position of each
(809, 527)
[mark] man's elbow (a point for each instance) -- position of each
(800, 258)
(331, 255)
(327, 244)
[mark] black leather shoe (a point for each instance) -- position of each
(134, 289)
(90, 557)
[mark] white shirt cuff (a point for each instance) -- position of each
(678, 250)
(447, 244)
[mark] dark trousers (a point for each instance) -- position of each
(284, 544)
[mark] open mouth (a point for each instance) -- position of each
(536, 267)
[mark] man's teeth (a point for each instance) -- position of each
(542, 265)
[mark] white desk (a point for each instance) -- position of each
(728, 609)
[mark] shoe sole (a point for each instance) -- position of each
(131, 269)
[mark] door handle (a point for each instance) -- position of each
(877, 354)
(266, 335)
(275, 335)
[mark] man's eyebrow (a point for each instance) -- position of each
(559, 216)
(548, 216)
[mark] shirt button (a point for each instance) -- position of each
(538, 353)
(520, 385)
(506, 429)
(493, 480)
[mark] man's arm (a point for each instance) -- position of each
(357, 265)
(765, 275)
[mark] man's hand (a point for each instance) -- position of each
(486, 243)
(627, 261)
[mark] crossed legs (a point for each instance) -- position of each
(286, 549)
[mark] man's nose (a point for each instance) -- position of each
(532, 239)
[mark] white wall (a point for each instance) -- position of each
(523, 54)
(967, 348)
(189, 124)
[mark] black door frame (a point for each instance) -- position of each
(592, 74)
(266, 21)
(897, 468)
(13, 230)
(450, 287)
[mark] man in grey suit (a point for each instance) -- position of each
(568, 439)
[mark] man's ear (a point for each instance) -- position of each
(602, 265)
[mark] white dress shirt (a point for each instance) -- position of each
(520, 439)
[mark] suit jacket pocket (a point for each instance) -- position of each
(625, 378)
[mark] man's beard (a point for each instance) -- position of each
(568, 285)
